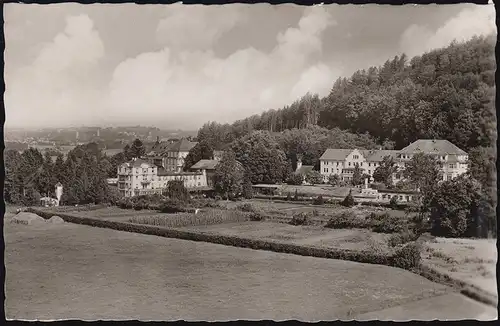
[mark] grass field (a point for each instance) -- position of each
(79, 272)
(353, 239)
(469, 260)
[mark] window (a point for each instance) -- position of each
(337, 163)
(349, 163)
(452, 166)
(355, 157)
(369, 164)
(361, 164)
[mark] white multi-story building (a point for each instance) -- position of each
(342, 162)
(140, 177)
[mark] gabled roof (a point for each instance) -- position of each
(428, 146)
(205, 165)
(378, 155)
(182, 145)
(304, 169)
(335, 154)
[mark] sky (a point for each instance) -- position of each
(179, 66)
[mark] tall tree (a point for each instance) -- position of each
(261, 157)
(201, 151)
(384, 172)
(137, 149)
(229, 174)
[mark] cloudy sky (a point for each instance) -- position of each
(178, 66)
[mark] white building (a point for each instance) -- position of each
(140, 177)
(342, 162)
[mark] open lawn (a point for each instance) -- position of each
(470, 260)
(79, 272)
(353, 239)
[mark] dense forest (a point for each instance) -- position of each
(447, 93)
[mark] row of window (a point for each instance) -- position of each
(354, 163)
(325, 170)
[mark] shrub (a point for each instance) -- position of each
(348, 200)
(402, 237)
(393, 203)
(176, 190)
(319, 200)
(288, 197)
(347, 220)
(246, 207)
(255, 216)
(295, 179)
(387, 223)
(300, 219)
(173, 206)
(408, 256)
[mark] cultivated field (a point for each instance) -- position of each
(80, 272)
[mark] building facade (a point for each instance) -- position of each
(141, 177)
(342, 162)
(170, 156)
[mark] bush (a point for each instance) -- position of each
(288, 197)
(319, 200)
(246, 207)
(402, 237)
(295, 180)
(408, 256)
(393, 203)
(300, 219)
(173, 206)
(347, 220)
(386, 223)
(348, 200)
(255, 216)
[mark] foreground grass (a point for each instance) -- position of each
(472, 261)
(81, 272)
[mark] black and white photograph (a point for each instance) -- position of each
(169, 162)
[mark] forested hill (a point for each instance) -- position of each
(447, 93)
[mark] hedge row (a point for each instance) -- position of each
(399, 259)
(329, 201)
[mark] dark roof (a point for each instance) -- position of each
(304, 169)
(205, 164)
(335, 154)
(182, 145)
(437, 146)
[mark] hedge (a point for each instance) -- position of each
(342, 254)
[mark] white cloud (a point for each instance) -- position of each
(58, 80)
(196, 26)
(187, 80)
(418, 39)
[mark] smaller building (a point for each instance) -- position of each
(207, 167)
